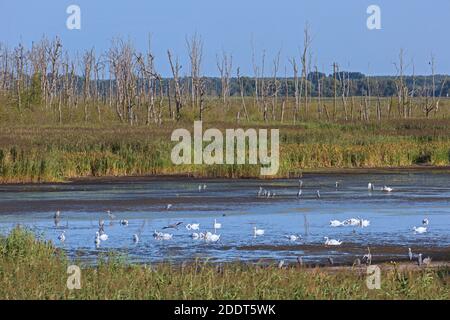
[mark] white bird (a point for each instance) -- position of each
(425, 221)
(257, 232)
(168, 206)
(370, 186)
(419, 230)
(300, 183)
(299, 193)
(212, 237)
(166, 236)
(193, 226)
(57, 215)
(268, 194)
(410, 254)
(204, 186)
(199, 188)
(217, 225)
(293, 237)
(318, 194)
(387, 189)
(332, 242)
(162, 236)
(135, 238)
(336, 223)
(352, 222)
(62, 237)
(103, 237)
(337, 184)
(124, 222)
(260, 191)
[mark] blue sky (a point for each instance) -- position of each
(338, 28)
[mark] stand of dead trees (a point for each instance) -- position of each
(126, 83)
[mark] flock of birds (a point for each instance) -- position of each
(209, 237)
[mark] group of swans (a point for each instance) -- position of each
(350, 222)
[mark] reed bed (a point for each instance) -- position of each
(31, 268)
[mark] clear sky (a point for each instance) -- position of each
(338, 28)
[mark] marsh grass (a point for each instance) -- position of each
(33, 269)
(34, 149)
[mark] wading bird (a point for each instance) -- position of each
(370, 186)
(410, 254)
(318, 194)
(367, 257)
(299, 193)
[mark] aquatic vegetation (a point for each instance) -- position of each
(33, 269)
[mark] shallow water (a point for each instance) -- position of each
(235, 204)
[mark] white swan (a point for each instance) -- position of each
(332, 242)
(419, 230)
(192, 226)
(386, 189)
(217, 225)
(162, 236)
(212, 237)
(169, 205)
(257, 232)
(62, 237)
(293, 237)
(336, 223)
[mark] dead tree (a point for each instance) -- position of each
(195, 49)
(225, 65)
(241, 90)
(175, 67)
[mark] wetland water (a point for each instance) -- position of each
(234, 203)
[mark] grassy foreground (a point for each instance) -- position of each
(33, 269)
